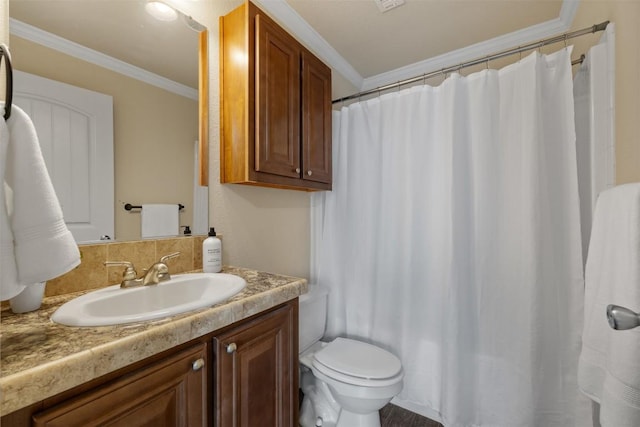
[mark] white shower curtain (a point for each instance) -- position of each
(452, 239)
(594, 98)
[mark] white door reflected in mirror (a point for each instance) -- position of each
(75, 131)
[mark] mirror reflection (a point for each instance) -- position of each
(149, 70)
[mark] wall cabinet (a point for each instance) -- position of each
(256, 374)
(275, 106)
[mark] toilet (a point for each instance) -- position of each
(345, 382)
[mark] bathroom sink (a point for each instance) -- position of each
(114, 305)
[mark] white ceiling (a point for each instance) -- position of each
(364, 46)
(374, 42)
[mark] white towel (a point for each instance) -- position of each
(9, 284)
(159, 220)
(35, 242)
(609, 367)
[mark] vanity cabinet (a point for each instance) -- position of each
(275, 106)
(256, 373)
(243, 375)
(171, 393)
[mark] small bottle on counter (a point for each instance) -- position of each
(212, 253)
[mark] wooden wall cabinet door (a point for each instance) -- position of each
(171, 393)
(316, 120)
(278, 101)
(275, 106)
(256, 370)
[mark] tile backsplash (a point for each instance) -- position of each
(92, 273)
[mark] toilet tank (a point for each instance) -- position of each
(312, 316)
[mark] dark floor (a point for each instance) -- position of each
(395, 416)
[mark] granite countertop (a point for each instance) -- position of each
(39, 359)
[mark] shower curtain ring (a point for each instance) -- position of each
(565, 40)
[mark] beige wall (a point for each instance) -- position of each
(4, 38)
(626, 16)
(154, 132)
(4, 21)
(266, 229)
(269, 229)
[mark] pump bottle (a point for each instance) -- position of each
(212, 253)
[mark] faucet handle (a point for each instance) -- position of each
(167, 257)
(129, 272)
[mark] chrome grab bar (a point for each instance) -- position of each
(621, 318)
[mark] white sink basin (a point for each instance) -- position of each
(114, 305)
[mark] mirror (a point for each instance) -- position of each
(154, 71)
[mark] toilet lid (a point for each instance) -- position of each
(358, 359)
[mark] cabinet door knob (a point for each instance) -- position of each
(231, 348)
(309, 173)
(297, 170)
(197, 365)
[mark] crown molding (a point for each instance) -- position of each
(282, 12)
(36, 35)
(520, 37)
(568, 12)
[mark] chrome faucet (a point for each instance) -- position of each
(158, 272)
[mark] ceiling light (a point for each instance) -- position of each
(161, 11)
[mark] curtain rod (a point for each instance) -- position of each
(535, 45)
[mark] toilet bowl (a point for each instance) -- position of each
(345, 381)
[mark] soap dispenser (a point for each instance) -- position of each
(212, 253)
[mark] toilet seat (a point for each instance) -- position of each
(358, 363)
(318, 368)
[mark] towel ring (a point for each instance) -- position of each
(4, 53)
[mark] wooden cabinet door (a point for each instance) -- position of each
(316, 119)
(277, 143)
(171, 393)
(257, 372)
